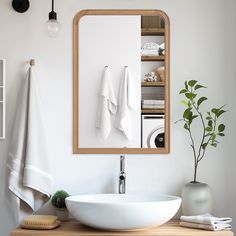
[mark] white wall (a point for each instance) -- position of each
(114, 41)
(202, 47)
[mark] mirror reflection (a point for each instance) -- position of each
(122, 88)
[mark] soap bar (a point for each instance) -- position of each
(40, 222)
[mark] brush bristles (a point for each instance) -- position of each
(40, 220)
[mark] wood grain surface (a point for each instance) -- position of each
(73, 228)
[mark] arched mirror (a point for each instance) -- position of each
(121, 82)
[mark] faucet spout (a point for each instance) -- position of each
(122, 175)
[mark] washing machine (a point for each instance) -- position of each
(153, 131)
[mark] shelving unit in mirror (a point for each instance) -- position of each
(153, 34)
(2, 98)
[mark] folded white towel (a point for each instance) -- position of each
(153, 106)
(127, 103)
(107, 105)
(150, 46)
(206, 219)
(152, 52)
(213, 227)
(152, 102)
(28, 162)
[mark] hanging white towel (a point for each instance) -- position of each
(127, 103)
(28, 161)
(107, 105)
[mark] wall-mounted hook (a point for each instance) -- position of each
(20, 6)
(32, 62)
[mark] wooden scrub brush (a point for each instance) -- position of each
(40, 222)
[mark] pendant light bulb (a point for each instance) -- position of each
(52, 26)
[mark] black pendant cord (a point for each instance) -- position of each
(52, 5)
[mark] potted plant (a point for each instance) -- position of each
(58, 201)
(197, 196)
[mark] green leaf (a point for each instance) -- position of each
(214, 144)
(183, 91)
(187, 113)
(219, 113)
(201, 100)
(208, 118)
(208, 113)
(191, 83)
(186, 126)
(221, 128)
(204, 145)
(186, 84)
(213, 137)
(198, 86)
(214, 110)
(221, 134)
(190, 96)
(195, 116)
(189, 116)
(184, 102)
(210, 123)
(208, 129)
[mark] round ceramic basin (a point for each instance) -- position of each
(122, 211)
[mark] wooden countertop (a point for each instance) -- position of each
(73, 228)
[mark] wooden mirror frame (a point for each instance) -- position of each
(76, 148)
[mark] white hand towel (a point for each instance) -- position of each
(152, 102)
(151, 46)
(146, 52)
(213, 227)
(107, 105)
(28, 162)
(127, 103)
(206, 219)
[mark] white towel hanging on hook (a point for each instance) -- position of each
(126, 103)
(29, 169)
(107, 105)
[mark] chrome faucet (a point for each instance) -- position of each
(122, 175)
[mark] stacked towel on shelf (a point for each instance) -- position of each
(150, 49)
(207, 222)
(153, 49)
(153, 104)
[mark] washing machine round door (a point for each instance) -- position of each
(156, 139)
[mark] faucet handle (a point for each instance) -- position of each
(122, 163)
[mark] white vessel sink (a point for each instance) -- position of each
(122, 211)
